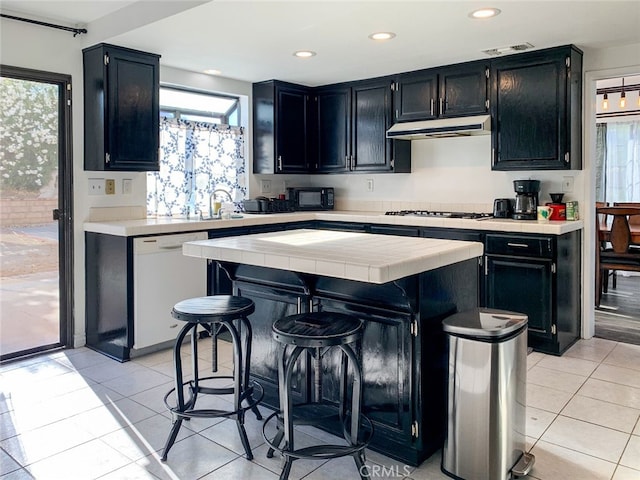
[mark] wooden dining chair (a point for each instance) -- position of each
(633, 221)
(605, 277)
(615, 253)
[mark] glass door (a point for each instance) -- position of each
(35, 212)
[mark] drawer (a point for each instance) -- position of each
(520, 246)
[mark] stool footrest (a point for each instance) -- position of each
(216, 391)
(319, 452)
(254, 387)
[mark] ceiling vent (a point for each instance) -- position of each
(494, 52)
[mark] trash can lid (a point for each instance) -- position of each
(484, 323)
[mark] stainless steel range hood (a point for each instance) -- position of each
(447, 127)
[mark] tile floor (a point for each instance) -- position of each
(79, 415)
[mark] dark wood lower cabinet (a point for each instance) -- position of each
(403, 350)
(109, 294)
(538, 275)
(522, 285)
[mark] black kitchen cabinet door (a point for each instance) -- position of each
(463, 90)
(280, 114)
(121, 109)
(370, 149)
(388, 366)
(333, 129)
(454, 91)
(537, 111)
(416, 96)
(525, 286)
(271, 304)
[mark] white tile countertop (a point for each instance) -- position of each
(154, 226)
(354, 256)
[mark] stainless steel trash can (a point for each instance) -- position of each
(486, 411)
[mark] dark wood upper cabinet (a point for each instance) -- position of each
(333, 129)
(537, 110)
(371, 106)
(121, 109)
(463, 90)
(455, 91)
(351, 121)
(416, 96)
(280, 117)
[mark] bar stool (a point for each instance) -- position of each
(317, 333)
(214, 313)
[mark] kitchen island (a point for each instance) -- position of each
(401, 287)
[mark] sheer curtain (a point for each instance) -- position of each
(196, 158)
(618, 161)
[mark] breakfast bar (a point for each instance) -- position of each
(401, 287)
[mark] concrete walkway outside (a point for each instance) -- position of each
(29, 288)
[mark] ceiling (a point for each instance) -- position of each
(255, 40)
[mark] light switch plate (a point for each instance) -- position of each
(567, 184)
(265, 186)
(127, 186)
(369, 184)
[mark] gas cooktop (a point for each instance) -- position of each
(433, 213)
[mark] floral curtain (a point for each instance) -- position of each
(196, 158)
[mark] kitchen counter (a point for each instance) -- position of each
(154, 226)
(348, 255)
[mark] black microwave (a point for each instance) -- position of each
(310, 198)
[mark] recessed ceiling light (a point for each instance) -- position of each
(484, 13)
(382, 36)
(304, 53)
(212, 71)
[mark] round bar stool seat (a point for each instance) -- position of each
(214, 313)
(317, 333)
(212, 309)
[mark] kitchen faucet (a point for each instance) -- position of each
(212, 196)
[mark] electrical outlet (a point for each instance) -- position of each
(96, 186)
(369, 184)
(567, 184)
(127, 186)
(110, 186)
(265, 186)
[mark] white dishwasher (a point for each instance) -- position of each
(163, 276)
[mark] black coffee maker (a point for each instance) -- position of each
(526, 207)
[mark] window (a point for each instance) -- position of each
(201, 150)
(618, 161)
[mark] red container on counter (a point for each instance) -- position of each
(559, 211)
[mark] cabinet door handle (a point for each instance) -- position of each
(432, 104)
(518, 245)
(279, 162)
(441, 106)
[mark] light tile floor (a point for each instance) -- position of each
(79, 415)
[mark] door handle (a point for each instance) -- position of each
(56, 214)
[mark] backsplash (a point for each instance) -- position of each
(445, 172)
(107, 214)
(346, 204)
